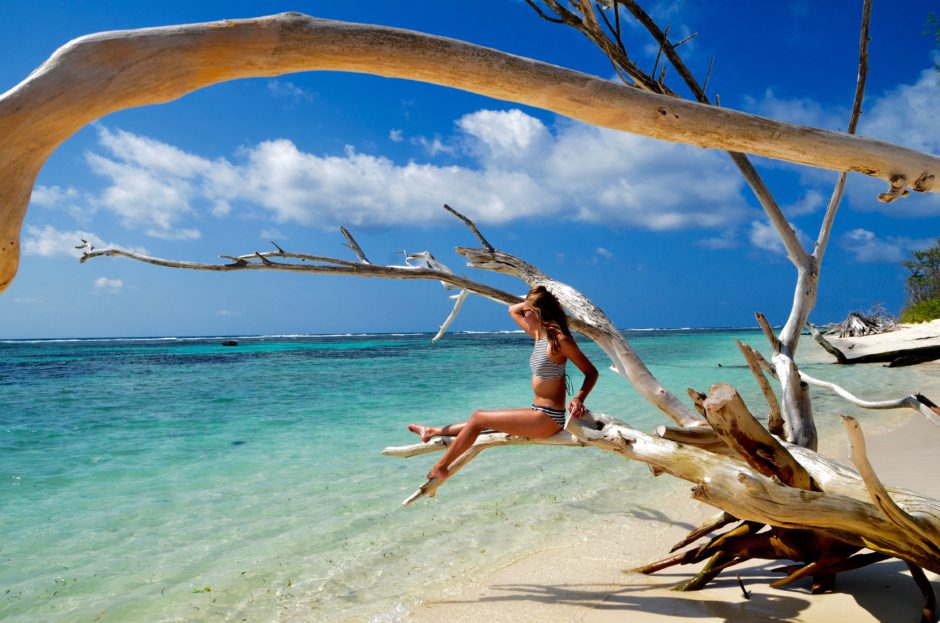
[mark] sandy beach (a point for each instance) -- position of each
(585, 580)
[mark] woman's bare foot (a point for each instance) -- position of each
(438, 472)
(423, 431)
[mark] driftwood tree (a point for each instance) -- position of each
(779, 498)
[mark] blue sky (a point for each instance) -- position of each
(659, 235)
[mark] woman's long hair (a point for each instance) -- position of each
(550, 314)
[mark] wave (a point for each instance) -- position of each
(690, 329)
(294, 336)
(99, 339)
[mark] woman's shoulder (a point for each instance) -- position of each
(566, 342)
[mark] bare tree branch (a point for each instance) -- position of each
(826, 228)
(135, 68)
(352, 244)
(918, 403)
(879, 494)
(775, 419)
(472, 226)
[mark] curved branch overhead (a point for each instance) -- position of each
(99, 74)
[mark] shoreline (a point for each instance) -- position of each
(584, 580)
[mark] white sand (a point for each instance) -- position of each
(585, 582)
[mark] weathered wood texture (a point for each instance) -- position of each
(96, 75)
(731, 420)
(842, 511)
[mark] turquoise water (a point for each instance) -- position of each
(176, 479)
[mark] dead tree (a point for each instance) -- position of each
(784, 500)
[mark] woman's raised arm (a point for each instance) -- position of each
(518, 312)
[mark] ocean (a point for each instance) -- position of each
(177, 479)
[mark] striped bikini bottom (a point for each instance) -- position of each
(555, 414)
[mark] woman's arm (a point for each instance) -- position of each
(570, 350)
(517, 313)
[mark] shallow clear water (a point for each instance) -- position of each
(180, 480)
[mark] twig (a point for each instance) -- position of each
(536, 8)
(689, 38)
(775, 419)
(238, 261)
(768, 331)
(472, 227)
(615, 30)
(352, 244)
(711, 64)
(836, 198)
(662, 44)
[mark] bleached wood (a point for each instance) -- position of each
(732, 421)
(489, 440)
(843, 510)
(775, 417)
(919, 403)
(879, 493)
(96, 75)
(459, 298)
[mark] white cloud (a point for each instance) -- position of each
(226, 312)
(53, 196)
(867, 247)
(106, 284)
(763, 236)
(68, 199)
(504, 137)
(285, 89)
(47, 241)
(906, 114)
(272, 234)
(433, 147)
(395, 135)
(726, 240)
(604, 253)
(152, 184)
(811, 201)
(799, 110)
(519, 168)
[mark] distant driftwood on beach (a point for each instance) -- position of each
(906, 345)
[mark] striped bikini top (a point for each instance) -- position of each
(542, 366)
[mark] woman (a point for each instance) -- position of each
(542, 317)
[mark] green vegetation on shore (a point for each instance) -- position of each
(923, 286)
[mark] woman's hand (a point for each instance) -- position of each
(576, 407)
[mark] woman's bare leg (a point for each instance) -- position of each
(521, 422)
(426, 432)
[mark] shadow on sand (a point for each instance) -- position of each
(885, 590)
